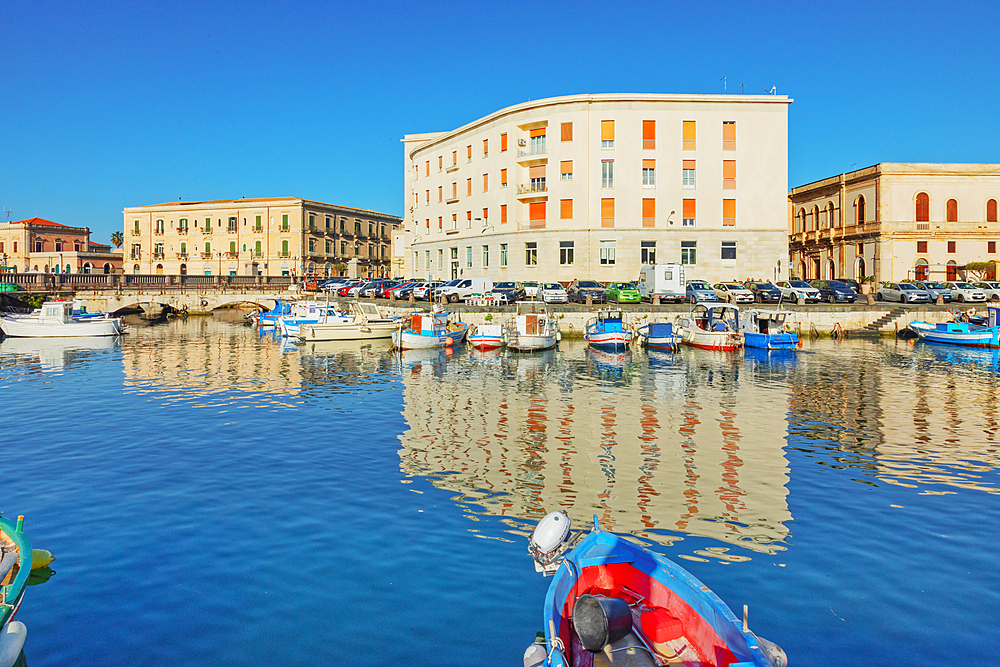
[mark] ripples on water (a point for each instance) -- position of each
(215, 497)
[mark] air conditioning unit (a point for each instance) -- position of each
(522, 142)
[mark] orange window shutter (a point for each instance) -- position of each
(688, 164)
(454, 189)
(469, 151)
(440, 222)
(689, 130)
(566, 130)
(729, 168)
(607, 130)
(468, 187)
(468, 215)
(428, 168)
(649, 134)
(538, 132)
(536, 171)
(729, 132)
(566, 167)
(689, 209)
(486, 213)
(649, 208)
(649, 164)
(729, 209)
(503, 142)
(608, 207)
(503, 212)
(486, 182)
(503, 177)
(566, 209)
(440, 161)
(536, 210)
(486, 145)
(454, 157)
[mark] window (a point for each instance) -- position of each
(689, 252)
(952, 271)
(688, 132)
(729, 135)
(921, 247)
(728, 212)
(648, 134)
(468, 187)
(991, 247)
(607, 134)
(565, 209)
(454, 189)
(536, 141)
(486, 255)
(831, 220)
(427, 197)
(440, 162)
(531, 254)
(536, 214)
(503, 254)
(923, 207)
(486, 147)
(486, 217)
(648, 173)
(440, 258)
(182, 225)
(859, 210)
(607, 253)
(454, 158)
(486, 182)
(468, 215)
(284, 222)
(454, 220)
(136, 228)
(647, 252)
(608, 212)
(427, 259)
(440, 193)
(729, 250)
(951, 210)
(257, 252)
(729, 177)
(649, 213)
(468, 257)
(687, 171)
(566, 170)
(991, 210)
(159, 226)
(503, 142)
(503, 213)
(951, 246)
(440, 223)
(232, 247)
(468, 153)
(688, 214)
(284, 248)
(503, 180)
(565, 253)
(312, 222)
(817, 223)
(312, 245)
(38, 246)
(59, 246)
(566, 132)
(607, 174)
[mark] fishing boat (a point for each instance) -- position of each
(364, 321)
(962, 333)
(532, 328)
(15, 567)
(310, 312)
(612, 602)
(714, 326)
(55, 320)
(607, 331)
(486, 336)
(765, 329)
(658, 336)
(269, 319)
(427, 330)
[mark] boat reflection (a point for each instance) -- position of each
(56, 353)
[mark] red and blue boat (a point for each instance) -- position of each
(606, 331)
(613, 602)
(968, 334)
(658, 336)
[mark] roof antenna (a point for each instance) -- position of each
(773, 91)
(724, 82)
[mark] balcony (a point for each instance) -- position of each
(136, 232)
(537, 188)
(231, 255)
(451, 200)
(157, 255)
(182, 255)
(530, 224)
(452, 168)
(182, 230)
(533, 156)
(206, 255)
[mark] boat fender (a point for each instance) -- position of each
(41, 558)
(534, 655)
(599, 620)
(773, 652)
(551, 531)
(12, 638)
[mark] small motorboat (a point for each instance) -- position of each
(607, 331)
(532, 329)
(427, 330)
(269, 319)
(486, 336)
(962, 333)
(310, 312)
(658, 336)
(712, 326)
(56, 320)
(765, 329)
(15, 568)
(612, 602)
(364, 321)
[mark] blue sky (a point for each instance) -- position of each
(108, 105)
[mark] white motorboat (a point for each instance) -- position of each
(428, 330)
(364, 322)
(713, 326)
(533, 328)
(55, 320)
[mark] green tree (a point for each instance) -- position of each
(117, 239)
(978, 270)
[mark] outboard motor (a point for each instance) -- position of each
(549, 541)
(600, 620)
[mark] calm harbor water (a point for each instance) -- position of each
(217, 498)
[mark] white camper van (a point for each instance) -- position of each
(464, 288)
(666, 281)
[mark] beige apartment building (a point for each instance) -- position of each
(895, 221)
(594, 186)
(284, 236)
(37, 245)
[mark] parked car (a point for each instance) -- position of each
(552, 293)
(902, 292)
(463, 288)
(406, 289)
(511, 291)
(733, 293)
(531, 289)
(765, 292)
(367, 290)
(345, 289)
(835, 291)
(622, 293)
(793, 290)
(331, 284)
(425, 291)
(699, 290)
(382, 291)
(935, 290)
(393, 292)
(853, 284)
(990, 288)
(963, 291)
(579, 290)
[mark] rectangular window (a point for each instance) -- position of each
(428, 172)
(503, 178)
(729, 135)
(649, 213)
(440, 193)
(468, 216)
(688, 215)
(486, 182)
(486, 147)
(536, 141)
(486, 254)
(503, 213)
(648, 173)
(536, 178)
(454, 220)
(991, 247)
(427, 260)
(427, 196)
(454, 189)
(688, 135)
(454, 158)
(59, 246)
(608, 212)
(327, 247)
(312, 222)
(565, 253)
(440, 162)
(565, 209)
(531, 254)
(689, 252)
(440, 223)
(284, 222)
(566, 132)
(536, 214)
(503, 142)
(486, 216)
(468, 187)
(468, 153)
(257, 225)
(607, 253)
(729, 250)
(687, 169)
(951, 246)
(607, 134)
(648, 134)
(566, 170)
(607, 174)
(440, 259)
(468, 257)
(647, 252)
(921, 246)
(503, 254)
(728, 212)
(729, 174)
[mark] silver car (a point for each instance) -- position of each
(553, 293)
(990, 288)
(733, 293)
(793, 290)
(902, 292)
(935, 290)
(964, 291)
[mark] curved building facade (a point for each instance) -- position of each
(594, 186)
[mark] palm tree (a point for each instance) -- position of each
(117, 239)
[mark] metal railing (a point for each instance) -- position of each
(66, 282)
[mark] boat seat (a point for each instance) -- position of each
(626, 652)
(719, 326)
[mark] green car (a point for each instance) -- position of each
(622, 293)
(9, 287)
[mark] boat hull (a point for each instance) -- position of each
(725, 341)
(532, 343)
(609, 341)
(347, 331)
(955, 333)
(14, 591)
(409, 340)
(658, 336)
(775, 341)
(486, 337)
(28, 326)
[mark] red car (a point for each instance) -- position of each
(395, 288)
(347, 287)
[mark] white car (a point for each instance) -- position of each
(530, 289)
(793, 290)
(963, 291)
(990, 288)
(733, 293)
(553, 293)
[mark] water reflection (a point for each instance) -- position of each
(54, 353)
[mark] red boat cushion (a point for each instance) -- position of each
(659, 626)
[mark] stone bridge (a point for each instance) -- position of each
(153, 302)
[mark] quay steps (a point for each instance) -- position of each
(875, 328)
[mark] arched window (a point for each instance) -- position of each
(991, 210)
(159, 269)
(830, 219)
(951, 210)
(859, 210)
(831, 270)
(135, 269)
(107, 269)
(923, 207)
(921, 269)
(859, 268)
(802, 220)
(86, 267)
(816, 224)
(184, 269)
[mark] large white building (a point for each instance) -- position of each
(594, 186)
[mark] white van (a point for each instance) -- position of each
(465, 288)
(667, 281)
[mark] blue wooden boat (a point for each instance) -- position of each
(613, 602)
(962, 333)
(765, 329)
(266, 320)
(15, 568)
(607, 331)
(428, 330)
(658, 336)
